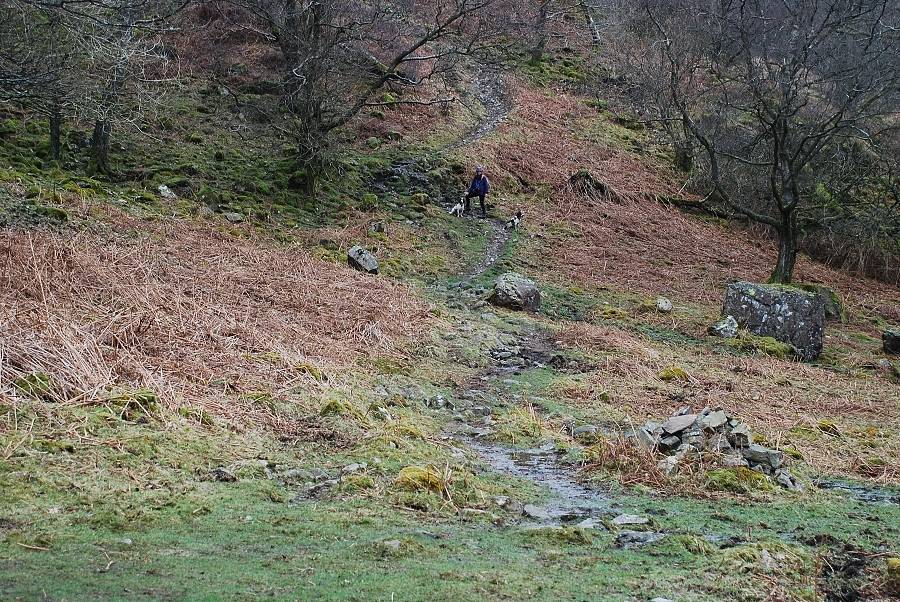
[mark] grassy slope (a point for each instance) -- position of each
(101, 505)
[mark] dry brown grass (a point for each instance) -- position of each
(189, 312)
(783, 401)
(634, 242)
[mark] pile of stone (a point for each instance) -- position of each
(685, 435)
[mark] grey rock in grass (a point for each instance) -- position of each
(726, 328)
(362, 260)
(663, 305)
(234, 217)
(630, 519)
(788, 314)
(166, 193)
(626, 539)
(514, 291)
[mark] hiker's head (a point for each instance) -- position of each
(479, 170)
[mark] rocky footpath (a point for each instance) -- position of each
(686, 436)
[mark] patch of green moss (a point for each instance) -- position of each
(138, 405)
(737, 480)
(339, 407)
(357, 482)
(37, 385)
(746, 341)
(673, 373)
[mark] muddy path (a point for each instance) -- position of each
(491, 94)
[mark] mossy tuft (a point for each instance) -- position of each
(737, 480)
(673, 373)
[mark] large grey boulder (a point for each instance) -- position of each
(362, 260)
(785, 313)
(515, 291)
(891, 341)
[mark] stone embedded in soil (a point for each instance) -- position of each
(676, 424)
(166, 193)
(637, 538)
(585, 430)
(222, 475)
(788, 314)
(234, 217)
(361, 259)
(630, 519)
(787, 480)
(591, 523)
(536, 512)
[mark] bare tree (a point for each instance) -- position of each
(337, 55)
(37, 60)
(768, 89)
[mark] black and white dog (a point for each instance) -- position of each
(458, 208)
(513, 222)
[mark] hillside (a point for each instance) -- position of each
(200, 399)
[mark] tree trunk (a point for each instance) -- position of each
(684, 156)
(587, 11)
(537, 51)
(56, 135)
(100, 147)
(787, 249)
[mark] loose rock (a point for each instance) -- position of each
(514, 291)
(663, 305)
(725, 328)
(166, 193)
(362, 260)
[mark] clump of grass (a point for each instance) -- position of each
(520, 425)
(416, 478)
(626, 461)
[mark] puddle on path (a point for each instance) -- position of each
(570, 502)
(864, 493)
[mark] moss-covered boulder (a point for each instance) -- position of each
(834, 306)
(785, 313)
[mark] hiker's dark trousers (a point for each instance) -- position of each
(471, 194)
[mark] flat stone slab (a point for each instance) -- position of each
(676, 424)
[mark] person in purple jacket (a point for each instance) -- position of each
(479, 187)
